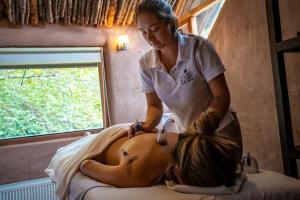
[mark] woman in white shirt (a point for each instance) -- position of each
(186, 74)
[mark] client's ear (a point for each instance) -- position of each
(177, 172)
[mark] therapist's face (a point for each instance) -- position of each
(156, 32)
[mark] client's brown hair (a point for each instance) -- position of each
(206, 159)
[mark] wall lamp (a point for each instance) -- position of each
(123, 42)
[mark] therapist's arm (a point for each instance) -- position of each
(153, 114)
(154, 111)
(210, 119)
(221, 96)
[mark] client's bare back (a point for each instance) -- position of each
(140, 159)
(140, 154)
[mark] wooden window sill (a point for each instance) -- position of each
(39, 138)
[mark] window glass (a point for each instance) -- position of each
(35, 101)
(207, 18)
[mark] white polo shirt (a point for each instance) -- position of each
(184, 90)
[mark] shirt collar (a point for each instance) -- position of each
(183, 52)
(183, 48)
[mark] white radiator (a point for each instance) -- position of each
(38, 189)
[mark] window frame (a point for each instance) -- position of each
(67, 134)
(189, 18)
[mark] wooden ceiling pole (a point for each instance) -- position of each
(193, 25)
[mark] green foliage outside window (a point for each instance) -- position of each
(50, 100)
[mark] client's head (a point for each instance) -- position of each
(205, 160)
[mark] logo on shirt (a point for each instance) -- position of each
(187, 76)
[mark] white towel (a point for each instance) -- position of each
(220, 190)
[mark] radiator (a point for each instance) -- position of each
(38, 189)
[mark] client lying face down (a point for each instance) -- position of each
(198, 159)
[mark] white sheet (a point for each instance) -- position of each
(264, 185)
(239, 182)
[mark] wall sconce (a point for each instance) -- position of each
(123, 42)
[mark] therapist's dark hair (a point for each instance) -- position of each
(161, 9)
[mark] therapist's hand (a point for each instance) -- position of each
(143, 127)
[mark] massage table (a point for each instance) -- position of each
(63, 169)
(263, 185)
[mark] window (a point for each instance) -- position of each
(206, 19)
(49, 90)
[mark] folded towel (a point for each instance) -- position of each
(220, 190)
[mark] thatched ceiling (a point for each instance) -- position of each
(98, 13)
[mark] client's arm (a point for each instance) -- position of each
(113, 175)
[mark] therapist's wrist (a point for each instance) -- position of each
(149, 127)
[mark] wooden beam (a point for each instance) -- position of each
(189, 27)
(193, 25)
(195, 11)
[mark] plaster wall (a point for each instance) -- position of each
(241, 37)
(127, 103)
(27, 161)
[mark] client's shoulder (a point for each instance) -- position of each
(146, 158)
(146, 145)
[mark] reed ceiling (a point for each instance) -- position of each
(97, 13)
